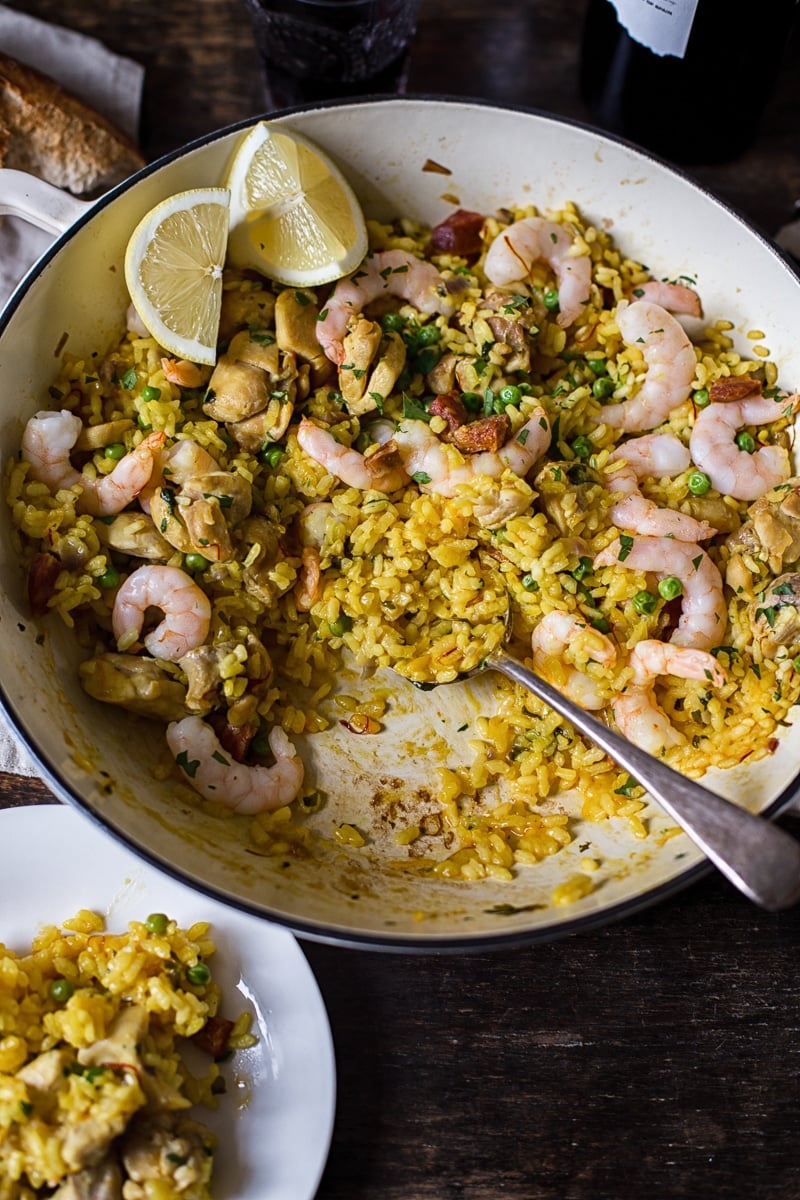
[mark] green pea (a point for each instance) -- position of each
(670, 588)
(392, 322)
(116, 450)
(529, 583)
(796, 663)
(698, 483)
(343, 624)
(581, 446)
(702, 397)
(550, 299)
(151, 393)
(745, 441)
(198, 974)
(602, 388)
(195, 562)
(157, 923)
(644, 602)
(510, 394)
(272, 456)
(427, 336)
(61, 990)
(597, 365)
(472, 401)
(427, 359)
(110, 577)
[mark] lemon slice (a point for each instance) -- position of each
(173, 269)
(294, 216)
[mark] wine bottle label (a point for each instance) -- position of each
(663, 26)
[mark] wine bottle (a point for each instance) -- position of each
(688, 80)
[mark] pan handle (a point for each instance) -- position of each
(39, 203)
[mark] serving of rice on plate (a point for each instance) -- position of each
(357, 509)
(96, 1097)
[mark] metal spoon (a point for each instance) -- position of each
(760, 859)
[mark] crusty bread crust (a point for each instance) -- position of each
(49, 132)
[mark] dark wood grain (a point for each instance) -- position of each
(659, 1056)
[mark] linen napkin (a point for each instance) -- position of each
(111, 85)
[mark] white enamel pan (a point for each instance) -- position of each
(417, 156)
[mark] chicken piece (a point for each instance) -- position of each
(263, 428)
(120, 1047)
(296, 316)
(441, 378)
(771, 532)
(202, 668)
(140, 685)
(566, 488)
(250, 374)
(100, 1182)
(96, 437)
(775, 615)
(365, 380)
(360, 345)
(85, 1137)
(43, 1075)
(210, 505)
(172, 1150)
(134, 533)
(257, 538)
(388, 368)
(198, 517)
(245, 305)
(512, 334)
(714, 511)
(386, 468)
(498, 502)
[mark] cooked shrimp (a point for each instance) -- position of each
(184, 373)
(46, 444)
(446, 469)
(671, 362)
(389, 273)
(308, 588)
(653, 454)
(347, 464)
(186, 609)
(550, 639)
(514, 251)
(674, 297)
(704, 613)
(734, 471)
(635, 710)
(216, 776)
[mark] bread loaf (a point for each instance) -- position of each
(49, 132)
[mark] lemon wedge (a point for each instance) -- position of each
(173, 269)
(294, 216)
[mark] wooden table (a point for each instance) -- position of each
(659, 1056)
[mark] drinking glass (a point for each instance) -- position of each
(327, 49)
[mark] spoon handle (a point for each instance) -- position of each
(760, 859)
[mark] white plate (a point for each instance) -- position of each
(276, 1119)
